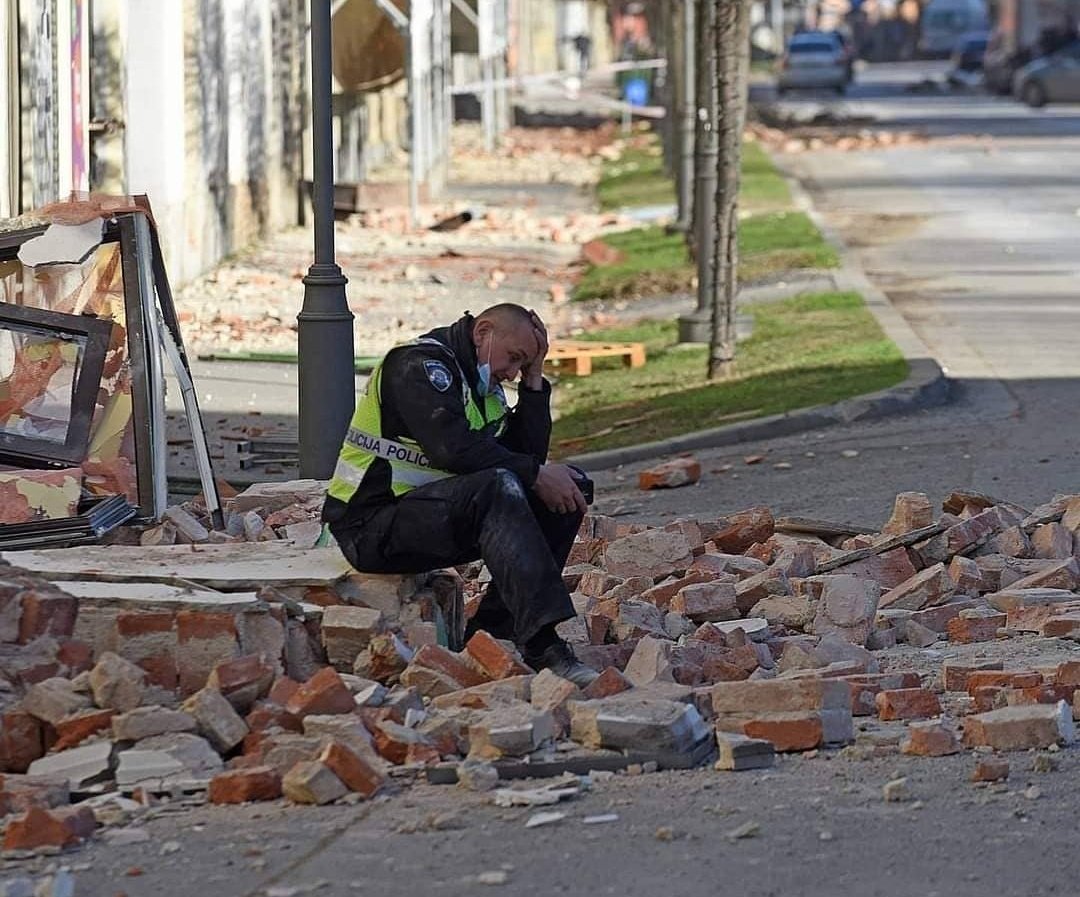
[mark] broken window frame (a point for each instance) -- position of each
(131, 230)
(93, 336)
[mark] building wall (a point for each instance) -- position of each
(196, 103)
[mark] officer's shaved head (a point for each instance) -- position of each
(507, 336)
(506, 314)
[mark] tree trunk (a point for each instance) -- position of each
(732, 36)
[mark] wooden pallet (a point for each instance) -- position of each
(578, 355)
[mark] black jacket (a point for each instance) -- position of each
(418, 407)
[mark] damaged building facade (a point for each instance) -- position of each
(202, 104)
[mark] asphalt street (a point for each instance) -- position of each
(974, 239)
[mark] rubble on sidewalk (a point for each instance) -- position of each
(265, 670)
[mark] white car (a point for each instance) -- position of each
(814, 59)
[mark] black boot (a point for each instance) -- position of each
(559, 657)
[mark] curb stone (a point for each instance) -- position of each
(926, 386)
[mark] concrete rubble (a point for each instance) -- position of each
(728, 641)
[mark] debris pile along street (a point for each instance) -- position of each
(529, 213)
(244, 667)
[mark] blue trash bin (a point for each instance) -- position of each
(636, 92)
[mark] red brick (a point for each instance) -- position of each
(422, 755)
(1041, 694)
(930, 739)
(135, 623)
(394, 741)
(670, 474)
(662, 594)
(282, 690)
(1019, 728)
(197, 624)
(787, 731)
(48, 828)
(75, 729)
(608, 683)
(989, 697)
(239, 786)
(865, 689)
(1002, 679)
(323, 693)
(77, 656)
(955, 674)
(439, 659)
(47, 614)
(161, 670)
(493, 658)
(266, 715)
(738, 532)
(21, 741)
(964, 630)
(597, 627)
(991, 769)
(907, 703)
(1068, 673)
(357, 774)
(242, 680)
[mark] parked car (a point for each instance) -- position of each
(814, 59)
(943, 22)
(967, 58)
(1051, 79)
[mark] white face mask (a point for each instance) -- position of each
(483, 373)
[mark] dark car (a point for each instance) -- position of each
(968, 54)
(1051, 79)
(814, 59)
(967, 58)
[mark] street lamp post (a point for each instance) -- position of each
(325, 324)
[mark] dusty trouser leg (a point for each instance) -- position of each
(486, 514)
(559, 531)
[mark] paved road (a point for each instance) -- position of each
(976, 243)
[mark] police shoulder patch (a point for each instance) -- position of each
(439, 375)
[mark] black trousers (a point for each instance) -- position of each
(486, 515)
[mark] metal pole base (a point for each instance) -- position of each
(327, 391)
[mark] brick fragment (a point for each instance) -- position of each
(218, 722)
(707, 602)
(204, 639)
(955, 674)
(911, 511)
(348, 630)
(736, 533)
(653, 553)
(670, 474)
(116, 683)
(609, 682)
(907, 703)
(354, 771)
(21, 741)
(847, 608)
(739, 752)
(1052, 540)
(930, 739)
(268, 715)
(1020, 728)
(242, 680)
(73, 730)
(990, 769)
(439, 659)
(797, 731)
(46, 612)
(627, 722)
(1002, 679)
(39, 827)
(926, 588)
(494, 657)
(325, 692)
(550, 693)
(312, 782)
(52, 700)
(966, 575)
(965, 630)
(240, 786)
(396, 742)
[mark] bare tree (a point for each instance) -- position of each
(732, 47)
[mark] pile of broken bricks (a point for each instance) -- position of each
(136, 675)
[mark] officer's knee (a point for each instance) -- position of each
(506, 483)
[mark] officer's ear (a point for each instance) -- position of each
(482, 331)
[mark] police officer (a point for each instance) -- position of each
(437, 471)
